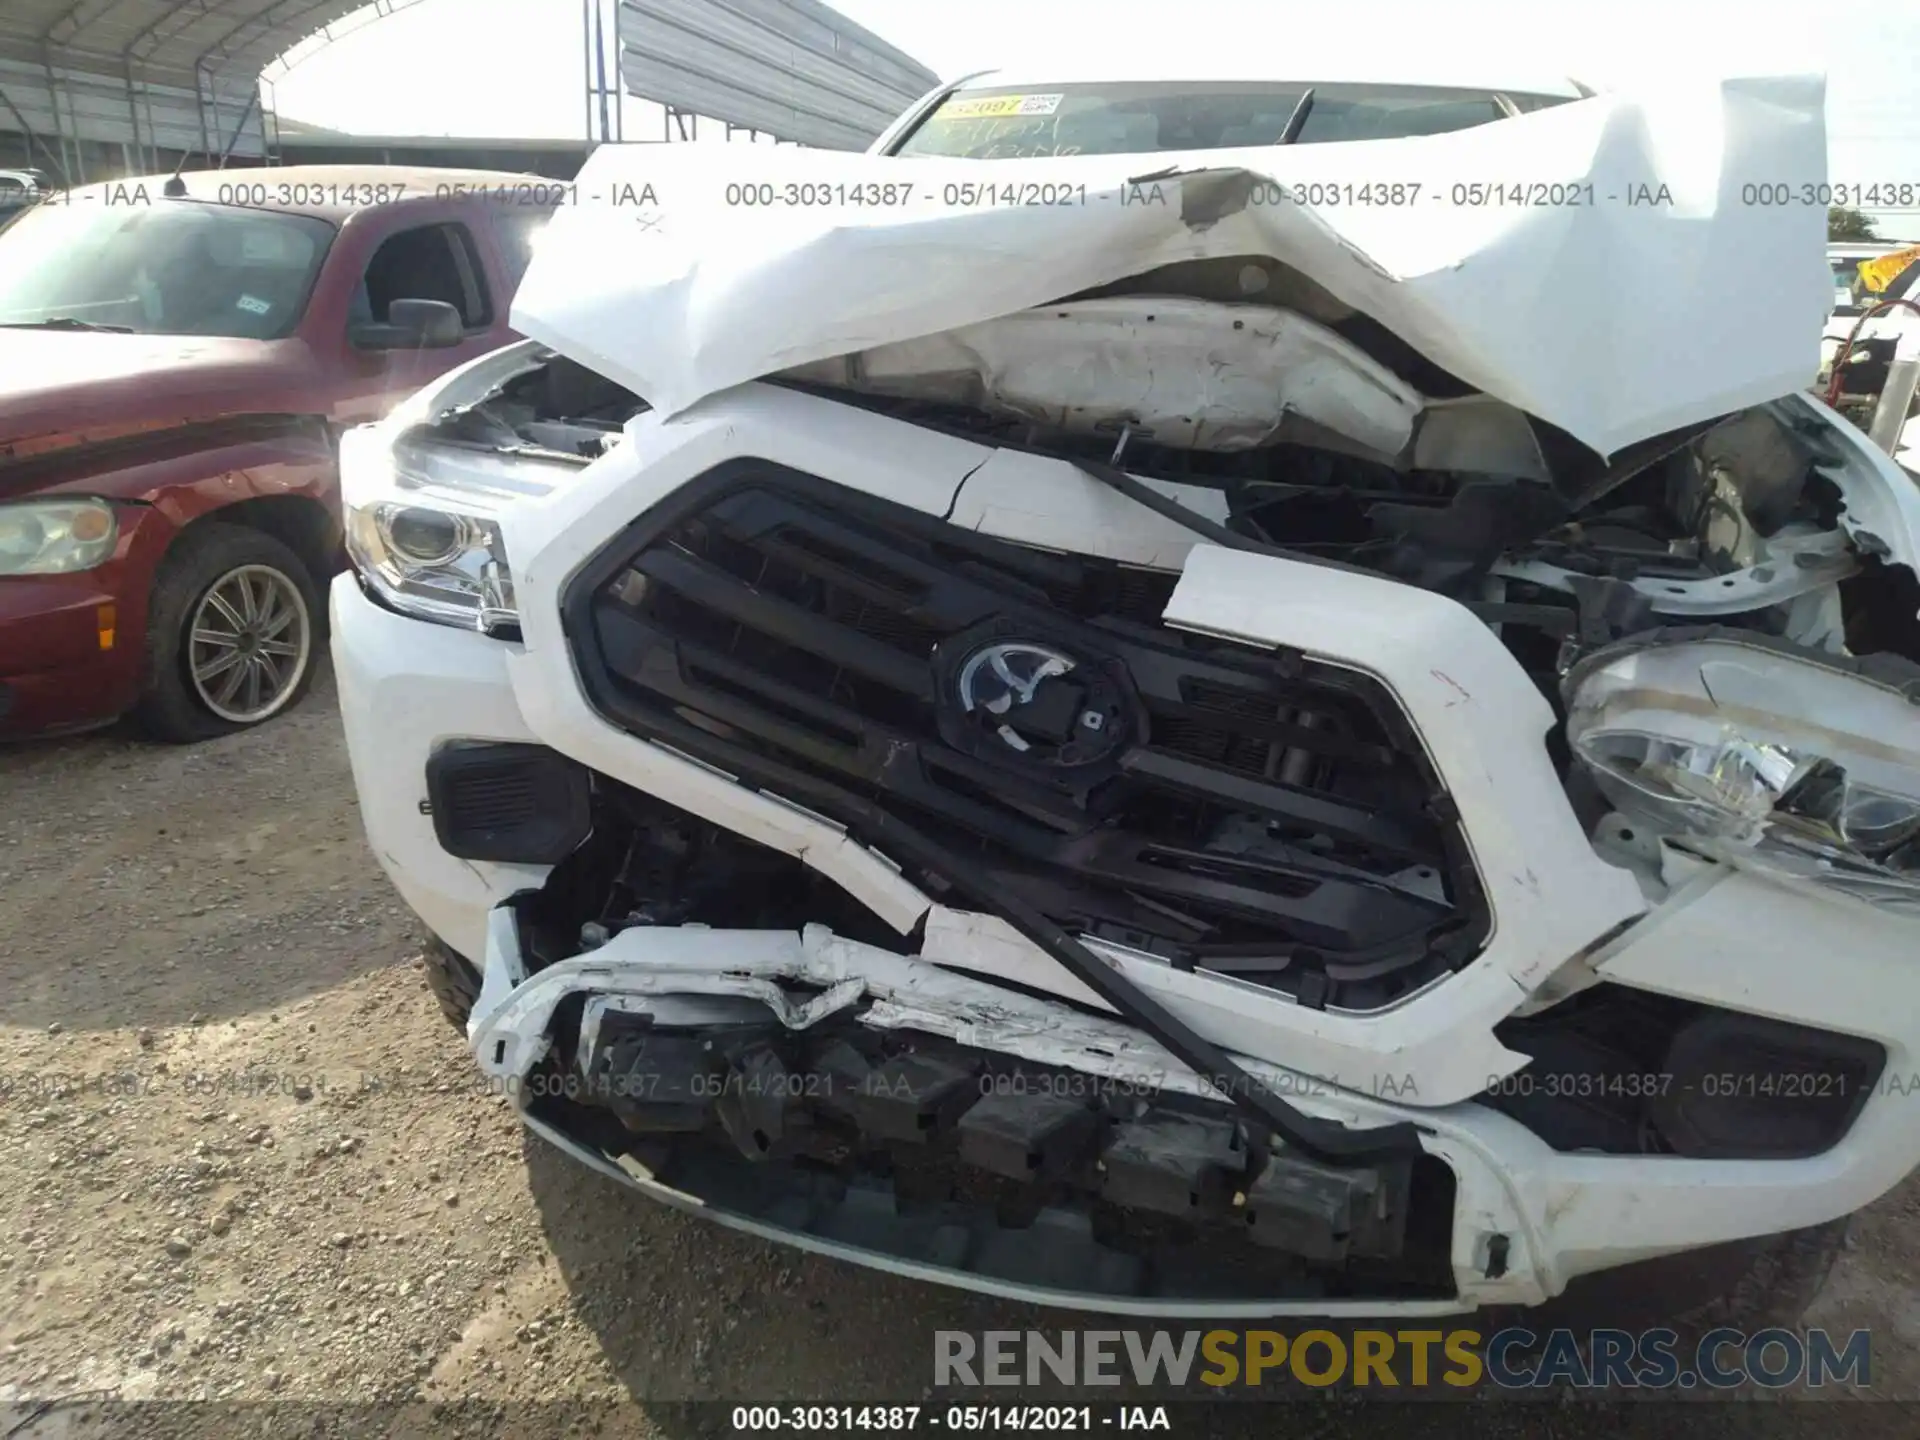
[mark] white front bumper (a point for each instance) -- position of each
(1560, 1215)
(1724, 938)
(405, 688)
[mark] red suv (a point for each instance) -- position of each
(177, 359)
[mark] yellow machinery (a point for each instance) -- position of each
(1877, 273)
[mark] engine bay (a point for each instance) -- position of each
(1017, 713)
(1746, 521)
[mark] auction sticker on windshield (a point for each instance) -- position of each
(988, 106)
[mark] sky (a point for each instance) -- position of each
(486, 68)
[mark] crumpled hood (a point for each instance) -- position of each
(1622, 286)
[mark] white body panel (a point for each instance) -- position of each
(1563, 1215)
(1560, 910)
(665, 281)
(1191, 373)
(1604, 316)
(405, 688)
(1487, 729)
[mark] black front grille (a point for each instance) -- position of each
(1240, 810)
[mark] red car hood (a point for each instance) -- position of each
(59, 388)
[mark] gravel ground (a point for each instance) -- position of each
(248, 1161)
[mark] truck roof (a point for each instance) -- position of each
(1331, 70)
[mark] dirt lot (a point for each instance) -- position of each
(247, 1160)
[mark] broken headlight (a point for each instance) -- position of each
(1761, 755)
(418, 531)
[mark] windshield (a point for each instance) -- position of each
(1138, 118)
(168, 268)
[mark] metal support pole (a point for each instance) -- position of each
(133, 116)
(27, 133)
(75, 172)
(153, 130)
(1890, 415)
(600, 67)
(240, 129)
(200, 104)
(586, 60)
(269, 110)
(213, 100)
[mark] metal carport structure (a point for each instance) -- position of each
(795, 69)
(93, 89)
(112, 86)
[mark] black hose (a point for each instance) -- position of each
(1165, 506)
(1322, 1139)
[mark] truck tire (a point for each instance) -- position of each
(233, 630)
(1746, 1285)
(453, 981)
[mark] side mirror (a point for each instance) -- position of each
(410, 325)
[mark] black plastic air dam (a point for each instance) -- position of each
(1621, 1071)
(508, 803)
(1230, 809)
(1056, 1258)
(910, 1148)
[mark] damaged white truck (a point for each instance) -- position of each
(1142, 732)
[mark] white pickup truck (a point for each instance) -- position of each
(1118, 707)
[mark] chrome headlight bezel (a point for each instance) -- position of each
(1760, 753)
(70, 535)
(421, 530)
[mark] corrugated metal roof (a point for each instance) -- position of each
(797, 69)
(57, 104)
(165, 40)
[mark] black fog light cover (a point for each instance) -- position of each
(1740, 1087)
(513, 804)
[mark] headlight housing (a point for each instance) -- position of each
(1761, 754)
(56, 537)
(419, 532)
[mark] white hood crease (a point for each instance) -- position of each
(1608, 309)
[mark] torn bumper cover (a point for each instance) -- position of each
(1032, 1151)
(1072, 1181)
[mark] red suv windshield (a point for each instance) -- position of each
(172, 267)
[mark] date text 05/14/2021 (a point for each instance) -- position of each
(963, 1419)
